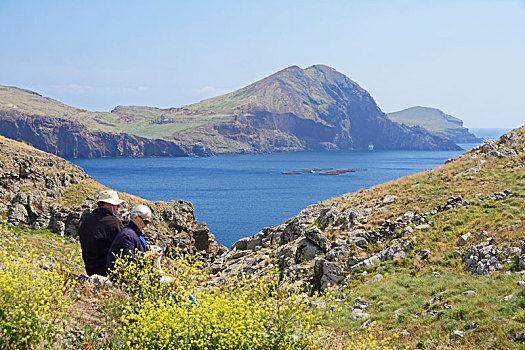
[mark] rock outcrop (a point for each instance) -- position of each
(34, 187)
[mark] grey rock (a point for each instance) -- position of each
(17, 214)
(3, 208)
(521, 260)
(368, 324)
(511, 251)
(374, 260)
(306, 250)
(21, 198)
(472, 170)
(285, 256)
(328, 217)
(358, 315)
(236, 254)
(337, 253)
(469, 292)
(482, 259)
(358, 241)
(457, 334)
(408, 216)
(241, 244)
(317, 237)
(424, 254)
(494, 154)
(389, 199)
(408, 230)
(463, 239)
(391, 253)
(326, 273)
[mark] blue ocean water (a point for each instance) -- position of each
(238, 195)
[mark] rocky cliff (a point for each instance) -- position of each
(41, 191)
(71, 140)
(294, 109)
(306, 109)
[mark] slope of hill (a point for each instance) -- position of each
(438, 256)
(431, 260)
(436, 122)
(293, 109)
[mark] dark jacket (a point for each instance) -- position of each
(97, 232)
(127, 243)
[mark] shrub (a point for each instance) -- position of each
(240, 313)
(31, 301)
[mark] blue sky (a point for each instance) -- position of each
(465, 57)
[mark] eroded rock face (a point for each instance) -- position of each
(326, 274)
(72, 140)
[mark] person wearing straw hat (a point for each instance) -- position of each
(98, 230)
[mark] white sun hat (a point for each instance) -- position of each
(110, 197)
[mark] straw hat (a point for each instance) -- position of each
(110, 197)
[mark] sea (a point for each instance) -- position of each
(239, 195)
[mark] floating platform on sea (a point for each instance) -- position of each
(320, 171)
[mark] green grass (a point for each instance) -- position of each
(148, 130)
(410, 294)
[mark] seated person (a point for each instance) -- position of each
(130, 242)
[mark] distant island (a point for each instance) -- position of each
(436, 122)
(295, 109)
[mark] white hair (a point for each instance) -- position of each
(140, 210)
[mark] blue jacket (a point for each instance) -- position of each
(126, 243)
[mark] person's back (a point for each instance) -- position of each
(97, 232)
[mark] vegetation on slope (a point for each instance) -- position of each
(421, 300)
(435, 121)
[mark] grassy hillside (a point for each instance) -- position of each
(435, 121)
(20, 102)
(427, 298)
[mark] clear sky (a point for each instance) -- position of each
(465, 57)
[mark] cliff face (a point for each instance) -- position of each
(72, 140)
(316, 108)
